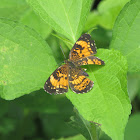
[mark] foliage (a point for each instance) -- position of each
(126, 35)
(88, 129)
(63, 16)
(105, 14)
(30, 52)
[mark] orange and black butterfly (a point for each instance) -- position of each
(71, 74)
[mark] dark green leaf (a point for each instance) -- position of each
(86, 128)
(77, 137)
(102, 37)
(37, 101)
(133, 85)
(132, 129)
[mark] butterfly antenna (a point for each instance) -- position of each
(63, 52)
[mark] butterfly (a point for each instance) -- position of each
(70, 73)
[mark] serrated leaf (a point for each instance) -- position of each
(105, 15)
(65, 17)
(86, 128)
(26, 60)
(107, 103)
(126, 35)
(12, 9)
(34, 21)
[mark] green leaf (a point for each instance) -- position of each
(12, 9)
(54, 125)
(34, 21)
(55, 44)
(37, 102)
(92, 21)
(132, 129)
(28, 126)
(133, 85)
(107, 103)
(65, 17)
(105, 15)
(4, 107)
(77, 137)
(103, 136)
(20, 11)
(86, 128)
(126, 35)
(26, 60)
(102, 37)
(138, 93)
(7, 125)
(66, 41)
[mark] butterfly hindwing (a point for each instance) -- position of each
(78, 81)
(82, 48)
(57, 83)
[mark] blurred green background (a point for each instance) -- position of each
(39, 116)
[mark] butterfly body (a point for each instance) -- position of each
(70, 73)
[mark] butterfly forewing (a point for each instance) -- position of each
(89, 60)
(82, 48)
